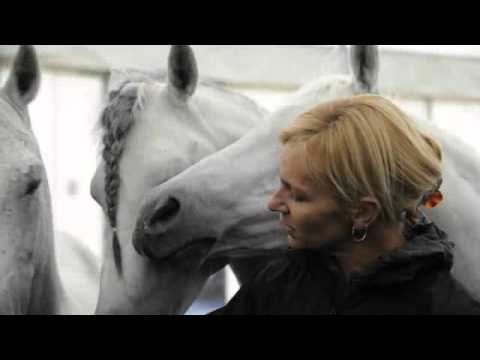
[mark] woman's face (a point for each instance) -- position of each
(310, 215)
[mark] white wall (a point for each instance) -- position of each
(77, 106)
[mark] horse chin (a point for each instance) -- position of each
(195, 255)
(266, 239)
(163, 247)
(242, 253)
(224, 254)
(155, 247)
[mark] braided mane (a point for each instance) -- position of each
(116, 120)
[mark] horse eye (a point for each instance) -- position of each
(32, 187)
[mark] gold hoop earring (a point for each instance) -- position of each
(359, 235)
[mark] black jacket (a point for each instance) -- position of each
(415, 279)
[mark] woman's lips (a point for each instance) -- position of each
(289, 229)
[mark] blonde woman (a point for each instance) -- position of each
(354, 175)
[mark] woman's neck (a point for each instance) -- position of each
(381, 239)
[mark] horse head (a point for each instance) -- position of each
(154, 127)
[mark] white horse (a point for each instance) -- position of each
(225, 195)
(29, 276)
(153, 129)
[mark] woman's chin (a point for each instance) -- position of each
(294, 243)
(298, 244)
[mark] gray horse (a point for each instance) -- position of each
(29, 280)
(29, 277)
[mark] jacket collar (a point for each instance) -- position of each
(427, 248)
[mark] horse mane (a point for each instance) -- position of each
(116, 121)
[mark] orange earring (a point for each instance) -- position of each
(434, 199)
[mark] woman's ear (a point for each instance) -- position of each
(366, 212)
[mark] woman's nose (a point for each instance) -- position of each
(276, 204)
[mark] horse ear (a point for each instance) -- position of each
(182, 71)
(24, 80)
(365, 68)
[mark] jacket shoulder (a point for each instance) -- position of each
(450, 297)
(263, 293)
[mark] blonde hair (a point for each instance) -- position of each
(366, 146)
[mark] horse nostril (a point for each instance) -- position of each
(166, 212)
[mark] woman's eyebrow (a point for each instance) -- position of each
(294, 187)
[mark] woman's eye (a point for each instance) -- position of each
(298, 198)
